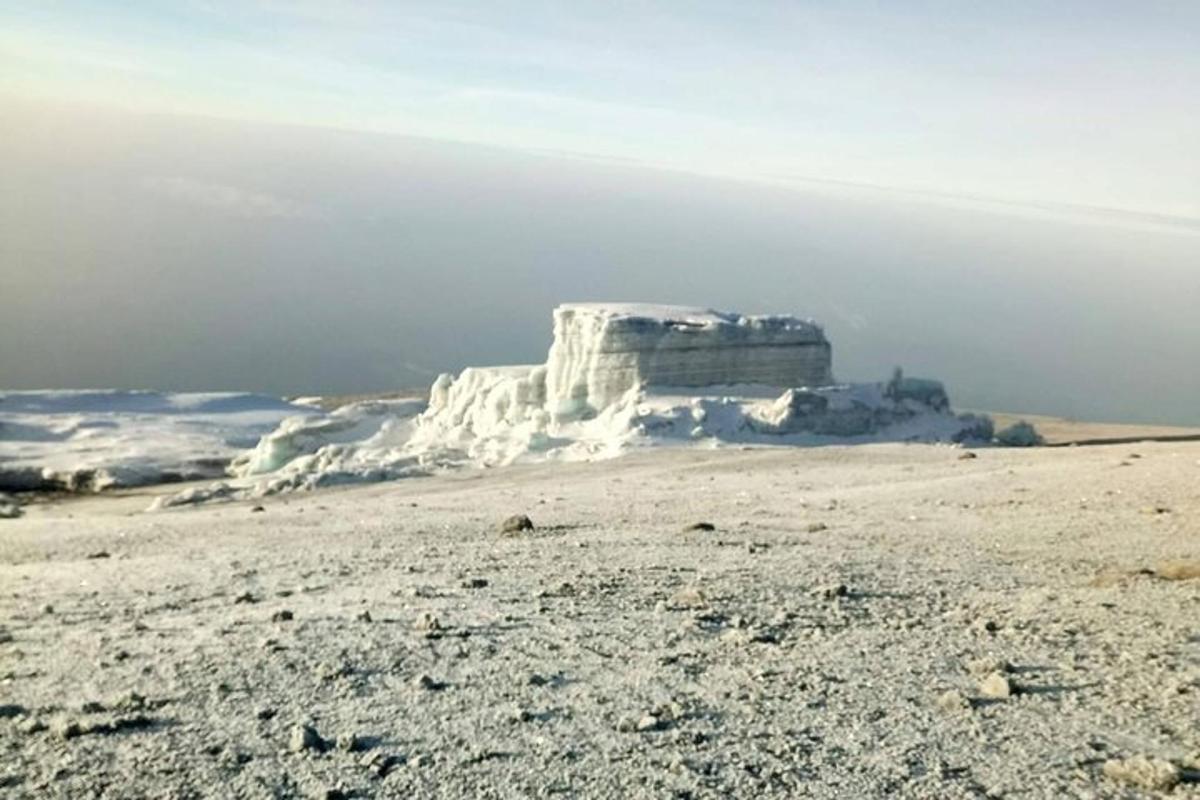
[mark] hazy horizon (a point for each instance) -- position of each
(303, 198)
(187, 253)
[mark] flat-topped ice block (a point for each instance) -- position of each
(603, 350)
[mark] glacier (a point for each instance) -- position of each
(618, 376)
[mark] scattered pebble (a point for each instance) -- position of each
(967, 455)
(428, 684)
(1154, 774)
(283, 615)
(429, 625)
(996, 686)
(832, 591)
(305, 737)
(98, 554)
(474, 583)
(688, 597)
(363, 616)
(700, 526)
(986, 665)
(954, 700)
(349, 742)
(11, 710)
(816, 527)
(245, 597)
(648, 722)
(380, 764)
(516, 524)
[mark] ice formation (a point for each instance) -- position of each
(602, 351)
(101, 439)
(618, 376)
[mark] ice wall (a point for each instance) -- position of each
(601, 351)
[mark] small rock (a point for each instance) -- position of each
(265, 713)
(429, 625)
(832, 591)
(474, 583)
(1154, 774)
(10, 511)
(816, 527)
(648, 722)
(98, 554)
(348, 742)
(305, 737)
(982, 667)
(996, 686)
(256, 509)
(967, 455)
(65, 728)
(283, 615)
(537, 680)
(31, 725)
(428, 684)
(700, 526)
(380, 763)
(11, 710)
(687, 598)
(363, 616)
(245, 597)
(953, 700)
(331, 671)
(47, 609)
(516, 524)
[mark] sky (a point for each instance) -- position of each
(304, 196)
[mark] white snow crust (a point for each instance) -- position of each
(101, 439)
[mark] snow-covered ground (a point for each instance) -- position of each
(99, 439)
(886, 620)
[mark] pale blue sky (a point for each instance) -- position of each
(1090, 103)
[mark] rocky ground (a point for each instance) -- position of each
(851, 622)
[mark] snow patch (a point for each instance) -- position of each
(93, 440)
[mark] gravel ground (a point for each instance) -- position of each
(873, 621)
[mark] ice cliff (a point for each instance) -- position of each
(601, 351)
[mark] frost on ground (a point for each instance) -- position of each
(95, 440)
(618, 377)
(884, 620)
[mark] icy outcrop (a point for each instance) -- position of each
(601, 351)
(617, 377)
